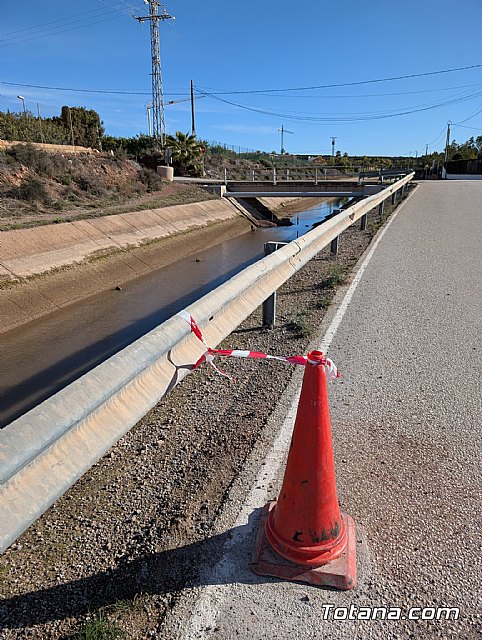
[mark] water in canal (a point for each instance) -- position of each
(45, 355)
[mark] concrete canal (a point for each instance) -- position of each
(47, 354)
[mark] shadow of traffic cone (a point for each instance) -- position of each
(303, 536)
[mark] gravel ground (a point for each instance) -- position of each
(115, 551)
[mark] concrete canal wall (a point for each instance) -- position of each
(49, 267)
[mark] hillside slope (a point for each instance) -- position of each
(38, 187)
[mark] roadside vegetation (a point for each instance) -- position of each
(191, 156)
(39, 186)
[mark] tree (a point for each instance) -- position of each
(478, 144)
(85, 124)
(186, 152)
(25, 127)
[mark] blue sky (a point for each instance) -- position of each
(257, 46)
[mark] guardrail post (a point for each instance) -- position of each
(381, 207)
(394, 195)
(274, 175)
(225, 176)
(287, 174)
(269, 305)
(316, 176)
(334, 245)
(254, 175)
(363, 222)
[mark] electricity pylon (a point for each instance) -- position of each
(158, 121)
(333, 139)
(283, 131)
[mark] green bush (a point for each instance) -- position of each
(89, 184)
(151, 179)
(65, 179)
(31, 189)
(43, 163)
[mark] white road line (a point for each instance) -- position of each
(205, 609)
(338, 317)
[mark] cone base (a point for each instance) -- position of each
(338, 574)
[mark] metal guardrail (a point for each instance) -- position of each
(45, 451)
(384, 173)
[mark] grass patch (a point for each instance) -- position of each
(339, 275)
(97, 628)
(127, 606)
(323, 302)
(300, 326)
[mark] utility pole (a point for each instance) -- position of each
(23, 103)
(283, 131)
(447, 143)
(333, 138)
(193, 123)
(148, 110)
(25, 116)
(158, 121)
(40, 124)
(71, 129)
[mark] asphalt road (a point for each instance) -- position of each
(406, 421)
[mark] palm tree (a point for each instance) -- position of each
(186, 152)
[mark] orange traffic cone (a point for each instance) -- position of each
(303, 535)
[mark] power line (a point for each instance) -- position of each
(359, 95)
(345, 119)
(208, 92)
(106, 91)
(43, 24)
(352, 84)
(435, 140)
(43, 33)
(119, 7)
(376, 114)
(479, 110)
(181, 93)
(464, 127)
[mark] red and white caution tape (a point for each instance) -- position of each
(330, 368)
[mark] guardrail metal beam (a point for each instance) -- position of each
(45, 451)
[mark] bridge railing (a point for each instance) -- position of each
(312, 173)
(45, 451)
